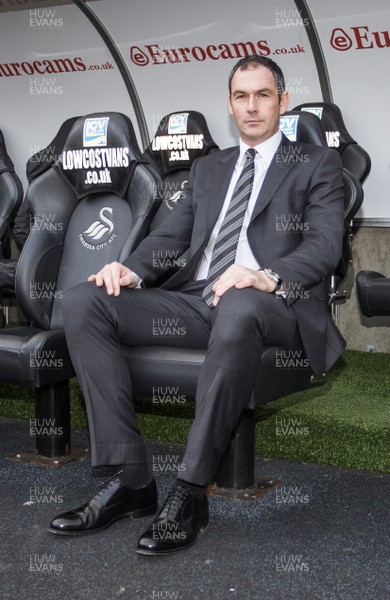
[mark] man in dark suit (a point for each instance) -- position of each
(249, 280)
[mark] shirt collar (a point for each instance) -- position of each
(266, 149)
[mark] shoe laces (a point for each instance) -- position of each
(173, 502)
(106, 484)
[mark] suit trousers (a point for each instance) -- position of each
(234, 333)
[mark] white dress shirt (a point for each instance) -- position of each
(244, 255)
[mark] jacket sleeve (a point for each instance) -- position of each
(163, 247)
(321, 247)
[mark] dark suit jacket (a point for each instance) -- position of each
(296, 229)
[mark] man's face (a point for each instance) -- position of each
(255, 104)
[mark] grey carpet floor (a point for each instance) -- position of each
(323, 534)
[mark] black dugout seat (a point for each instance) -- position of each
(353, 156)
(92, 206)
(180, 139)
(373, 291)
(11, 194)
(37, 164)
(302, 127)
(22, 223)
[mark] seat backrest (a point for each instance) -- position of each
(306, 127)
(91, 207)
(353, 156)
(353, 199)
(180, 139)
(11, 194)
(43, 159)
(37, 164)
(302, 127)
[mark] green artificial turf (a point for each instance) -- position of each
(345, 422)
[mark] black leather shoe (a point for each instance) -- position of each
(176, 526)
(114, 501)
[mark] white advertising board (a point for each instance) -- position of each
(54, 65)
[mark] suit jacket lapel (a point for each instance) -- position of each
(217, 196)
(215, 200)
(277, 171)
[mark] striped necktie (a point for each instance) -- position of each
(225, 247)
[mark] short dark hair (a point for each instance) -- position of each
(263, 61)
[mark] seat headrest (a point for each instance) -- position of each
(99, 153)
(6, 163)
(181, 137)
(302, 127)
(42, 160)
(332, 121)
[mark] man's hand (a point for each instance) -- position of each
(241, 277)
(114, 276)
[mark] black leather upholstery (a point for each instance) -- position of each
(160, 367)
(78, 226)
(342, 279)
(373, 293)
(353, 199)
(37, 164)
(11, 194)
(180, 139)
(43, 159)
(354, 157)
(302, 127)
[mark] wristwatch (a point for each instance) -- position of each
(275, 277)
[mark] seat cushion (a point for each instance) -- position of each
(32, 357)
(159, 371)
(374, 293)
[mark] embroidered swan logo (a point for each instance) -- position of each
(171, 201)
(100, 227)
(175, 197)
